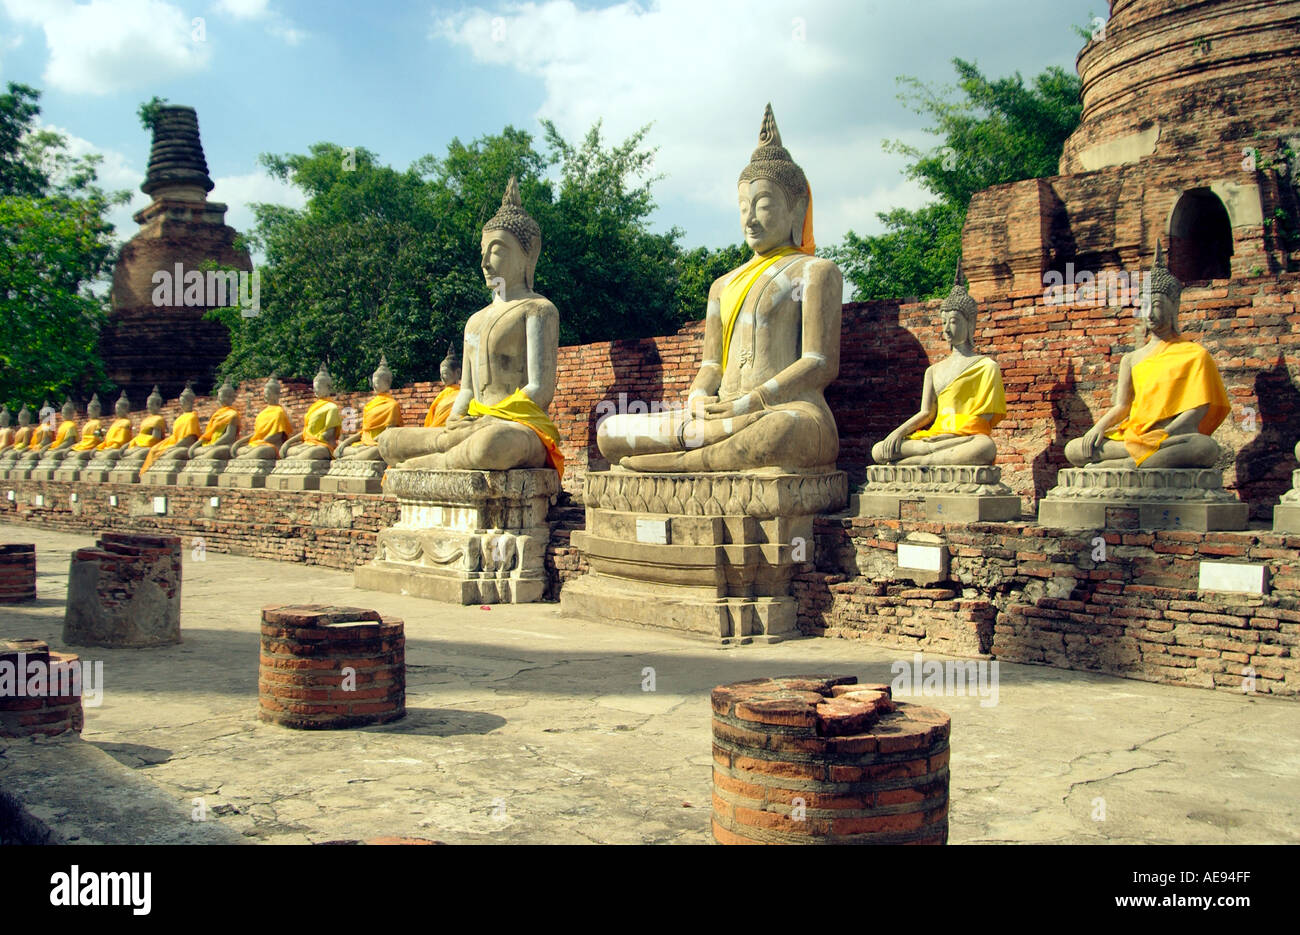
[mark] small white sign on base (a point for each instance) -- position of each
(1233, 577)
(11, 496)
(38, 500)
(652, 531)
(215, 501)
(112, 500)
(74, 498)
(160, 505)
(920, 557)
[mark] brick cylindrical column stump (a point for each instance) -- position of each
(126, 592)
(824, 760)
(17, 573)
(329, 667)
(39, 693)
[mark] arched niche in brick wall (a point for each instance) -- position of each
(1200, 237)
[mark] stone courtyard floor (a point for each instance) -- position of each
(524, 726)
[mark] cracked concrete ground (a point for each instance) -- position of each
(524, 726)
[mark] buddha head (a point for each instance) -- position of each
(47, 413)
(226, 395)
(187, 398)
(957, 314)
(123, 406)
(511, 244)
(382, 379)
(94, 408)
(323, 384)
(775, 199)
(24, 417)
(1161, 298)
(4, 417)
(449, 369)
(154, 402)
(271, 392)
(69, 411)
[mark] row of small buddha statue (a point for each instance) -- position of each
(771, 347)
(272, 437)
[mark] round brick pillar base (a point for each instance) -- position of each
(17, 573)
(824, 760)
(125, 592)
(329, 667)
(40, 691)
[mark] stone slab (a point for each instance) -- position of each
(1152, 514)
(331, 484)
(940, 508)
(157, 477)
(67, 475)
(448, 587)
(1233, 577)
(125, 475)
(1286, 518)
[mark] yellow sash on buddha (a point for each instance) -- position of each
(976, 392)
(321, 416)
(145, 437)
(1177, 377)
(21, 437)
(734, 292)
(440, 408)
(7, 438)
(88, 431)
(65, 429)
(119, 433)
(186, 424)
(217, 423)
(517, 407)
(272, 420)
(39, 435)
(380, 413)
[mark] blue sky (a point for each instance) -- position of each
(404, 78)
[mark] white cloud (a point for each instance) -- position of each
(244, 9)
(240, 192)
(278, 25)
(108, 45)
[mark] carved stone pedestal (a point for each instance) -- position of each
(20, 470)
(201, 472)
(45, 468)
(249, 473)
(704, 554)
(97, 470)
(465, 537)
(354, 476)
(69, 472)
(162, 473)
(1286, 515)
(126, 472)
(950, 493)
(1163, 498)
(297, 474)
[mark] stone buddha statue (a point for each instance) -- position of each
(119, 433)
(41, 436)
(440, 408)
(498, 421)
(92, 433)
(380, 413)
(322, 425)
(222, 428)
(153, 429)
(175, 449)
(270, 429)
(21, 439)
(771, 347)
(66, 435)
(6, 433)
(1169, 397)
(961, 400)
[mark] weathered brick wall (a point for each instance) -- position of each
(1034, 595)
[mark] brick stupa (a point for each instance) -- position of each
(144, 344)
(1188, 109)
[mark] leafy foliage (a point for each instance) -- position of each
(999, 131)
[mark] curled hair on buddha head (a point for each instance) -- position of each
(382, 372)
(187, 394)
(512, 218)
(959, 300)
(155, 397)
(772, 161)
(1164, 282)
(450, 368)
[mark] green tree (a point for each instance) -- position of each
(695, 272)
(55, 243)
(998, 131)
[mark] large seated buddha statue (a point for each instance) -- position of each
(771, 346)
(380, 413)
(152, 431)
(210, 455)
(498, 421)
(307, 456)
(119, 432)
(962, 399)
(170, 454)
(1169, 397)
(271, 428)
(42, 436)
(64, 438)
(6, 433)
(449, 371)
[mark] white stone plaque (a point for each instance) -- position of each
(1231, 576)
(652, 531)
(38, 500)
(215, 501)
(920, 557)
(160, 505)
(112, 501)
